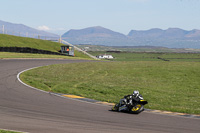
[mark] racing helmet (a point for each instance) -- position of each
(135, 93)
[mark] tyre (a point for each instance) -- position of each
(115, 108)
(137, 109)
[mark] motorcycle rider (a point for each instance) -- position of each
(127, 100)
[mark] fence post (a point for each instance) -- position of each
(3, 29)
(60, 39)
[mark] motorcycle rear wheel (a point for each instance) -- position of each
(115, 107)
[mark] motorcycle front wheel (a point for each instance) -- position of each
(137, 109)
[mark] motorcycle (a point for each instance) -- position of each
(135, 106)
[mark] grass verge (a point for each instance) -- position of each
(4, 131)
(7, 55)
(171, 86)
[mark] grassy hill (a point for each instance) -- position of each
(14, 41)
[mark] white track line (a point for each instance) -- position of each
(18, 77)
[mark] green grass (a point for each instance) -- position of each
(4, 131)
(145, 56)
(14, 41)
(136, 49)
(172, 86)
(7, 55)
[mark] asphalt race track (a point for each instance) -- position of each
(28, 110)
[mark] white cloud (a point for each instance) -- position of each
(52, 30)
(43, 27)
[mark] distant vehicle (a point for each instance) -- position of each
(105, 56)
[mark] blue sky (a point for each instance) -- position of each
(59, 16)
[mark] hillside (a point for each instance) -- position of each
(97, 31)
(23, 30)
(95, 35)
(171, 38)
(14, 41)
(171, 33)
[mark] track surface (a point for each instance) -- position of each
(29, 110)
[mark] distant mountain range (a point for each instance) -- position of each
(171, 38)
(96, 36)
(171, 33)
(23, 30)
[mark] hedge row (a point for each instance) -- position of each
(27, 50)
